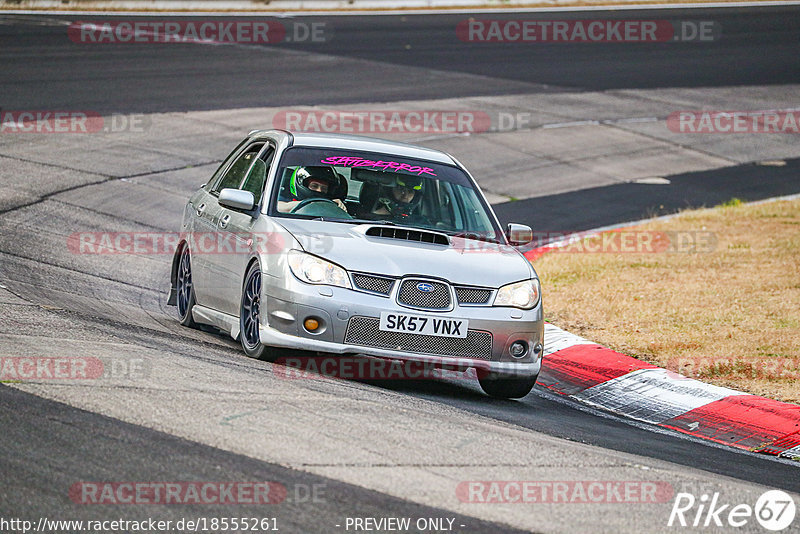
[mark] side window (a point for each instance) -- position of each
(257, 176)
(215, 177)
(237, 171)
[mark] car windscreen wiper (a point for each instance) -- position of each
(357, 221)
(474, 236)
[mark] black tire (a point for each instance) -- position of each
(185, 289)
(249, 317)
(506, 388)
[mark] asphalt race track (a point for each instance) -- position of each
(758, 47)
(187, 405)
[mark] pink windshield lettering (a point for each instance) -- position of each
(351, 161)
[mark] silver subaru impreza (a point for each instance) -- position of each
(342, 244)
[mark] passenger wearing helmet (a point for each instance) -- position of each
(311, 182)
(401, 200)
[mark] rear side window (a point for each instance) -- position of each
(216, 176)
(236, 173)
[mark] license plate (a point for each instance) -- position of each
(426, 325)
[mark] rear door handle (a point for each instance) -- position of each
(200, 209)
(223, 222)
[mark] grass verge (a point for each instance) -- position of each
(713, 294)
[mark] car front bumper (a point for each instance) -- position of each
(289, 302)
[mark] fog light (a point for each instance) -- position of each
(311, 324)
(518, 349)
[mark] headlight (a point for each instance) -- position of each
(523, 294)
(314, 270)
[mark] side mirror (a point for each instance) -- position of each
(519, 234)
(237, 199)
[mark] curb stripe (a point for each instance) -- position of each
(556, 339)
(574, 369)
(653, 395)
(743, 421)
(598, 376)
(792, 454)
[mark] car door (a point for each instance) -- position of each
(209, 244)
(235, 228)
(201, 227)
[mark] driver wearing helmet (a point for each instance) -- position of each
(401, 200)
(311, 182)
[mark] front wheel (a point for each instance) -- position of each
(249, 316)
(185, 290)
(502, 387)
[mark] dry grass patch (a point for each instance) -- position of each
(730, 316)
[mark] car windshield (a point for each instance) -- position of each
(349, 186)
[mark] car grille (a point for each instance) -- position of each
(438, 299)
(473, 295)
(365, 331)
(373, 284)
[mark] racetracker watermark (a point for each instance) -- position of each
(70, 122)
(474, 121)
(733, 368)
(564, 492)
(587, 31)
(22, 368)
(383, 122)
(199, 243)
(195, 492)
(156, 243)
(774, 510)
(355, 368)
(223, 31)
(194, 524)
(623, 241)
(735, 122)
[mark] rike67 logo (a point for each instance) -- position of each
(774, 510)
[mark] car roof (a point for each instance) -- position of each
(367, 144)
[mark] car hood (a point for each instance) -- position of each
(463, 261)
